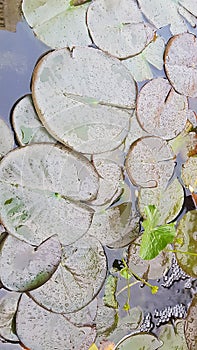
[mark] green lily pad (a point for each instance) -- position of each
(140, 65)
(109, 298)
(161, 109)
(6, 140)
(140, 341)
(41, 186)
(180, 63)
(162, 13)
(189, 173)
(169, 201)
(27, 126)
(106, 321)
(92, 110)
(148, 269)
(173, 336)
(110, 178)
(40, 329)
(22, 267)
(57, 24)
(149, 162)
(191, 325)
(115, 227)
(118, 30)
(187, 233)
(8, 307)
(77, 280)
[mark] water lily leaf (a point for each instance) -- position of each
(117, 27)
(149, 162)
(8, 307)
(180, 63)
(6, 140)
(187, 233)
(169, 201)
(151, 269)
(22, 267)
(173, 336)
(40, 329)
(135, 133)
(91, 109)
(115, 227)
(106, 321)
(139, 65)
(163, 13)
(57, 24)
(191, 325)
(140, 341)
(27, 126)
(40, 186)
(77, 280)
(109, 297)
(189, 173)
(85, 316)
(161, 109)
(110, 177)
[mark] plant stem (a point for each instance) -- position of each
(180, 251)
(127, 286)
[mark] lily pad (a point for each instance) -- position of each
(110, 177)
(148, 269)
(180, 63)
(135, 133)
(8, 307)
(57, 24)
(115, 227)
(149, 162)
(172, 336)
(27, 126)
(161, 109)
(169, 201)
(187, 233)
(41, 186)
(140, 341)
(80, 106)
(6, 140)
(189, 173)
(140, 65)
(22, 267)
(117, 27)
(40, 329)
(191, 325)
(77, 280)
(162, 13)
(106, 321)
(84, 317)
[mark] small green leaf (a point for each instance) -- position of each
(110, 290)
(155, 238)
(125, 273)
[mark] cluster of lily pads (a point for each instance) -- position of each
(64, 193)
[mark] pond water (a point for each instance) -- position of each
(19, 53)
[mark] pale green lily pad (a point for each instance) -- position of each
(27, 126)
(110, 179)
(41, 186)
(172, 336)
(118, 27)
(22, 267)
(187, 233)
(180, 63)
(191, 325)
(8, 307)
(85, 316)
(115, 227)
(161, 110)
(77, 280)
(80, 106)
(109, 297)
(149, 162)
(169, 201)
(6, 139)
(57, 24)
(139, 65)
(140, 341)
(161, 13)
(189, 173)
(40, 329)
(135, 133)
(106, 321)
(148, 269)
